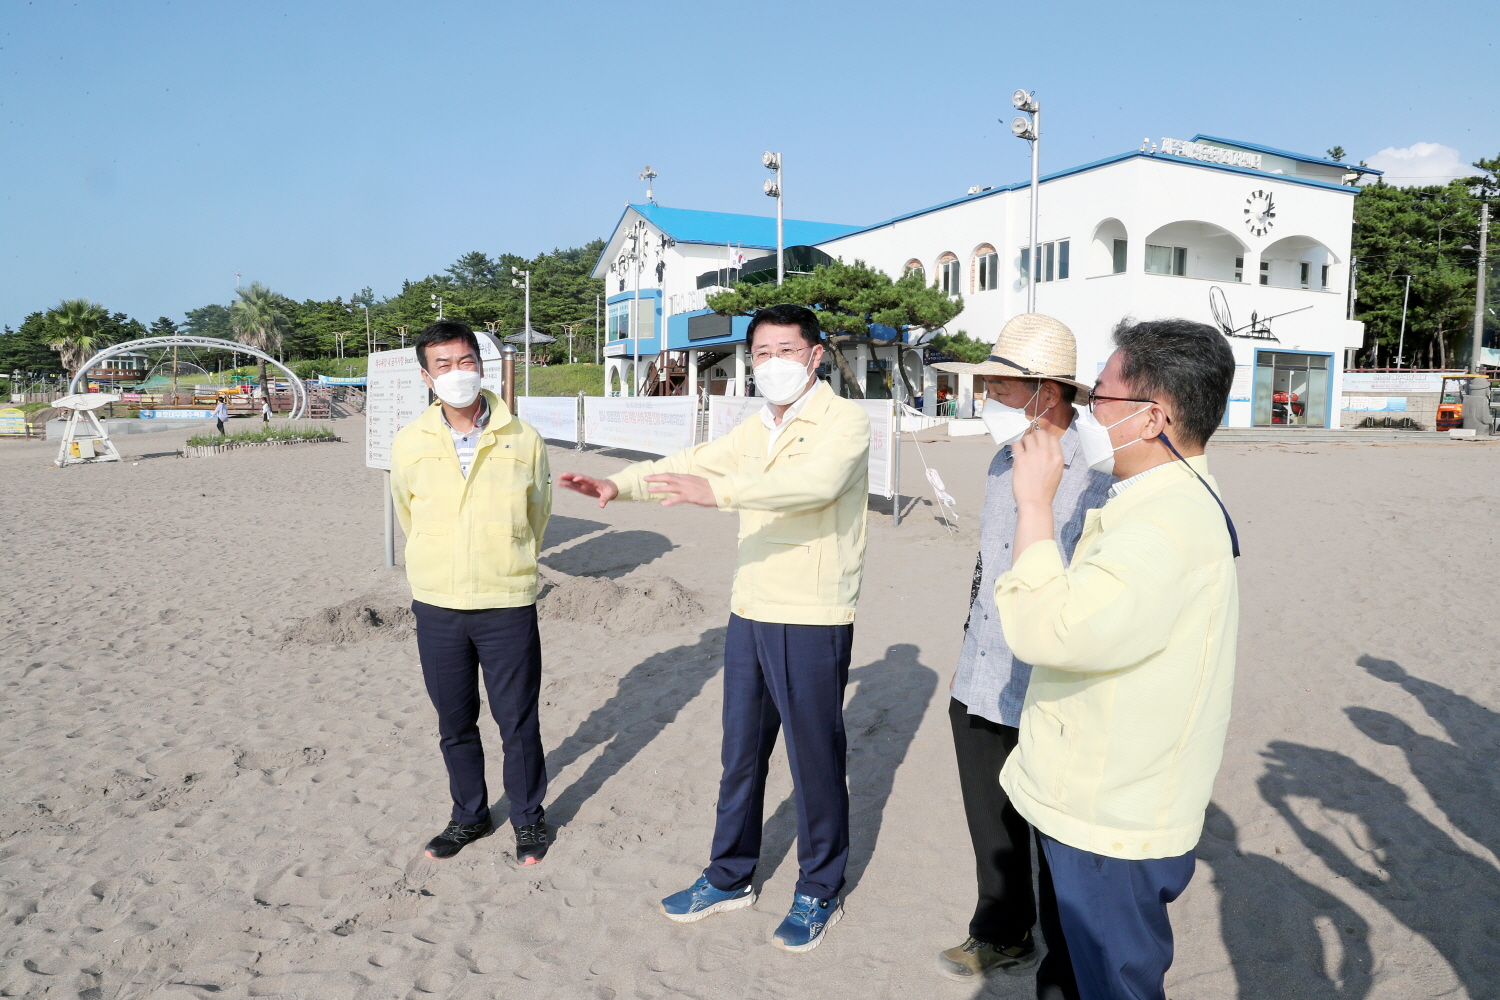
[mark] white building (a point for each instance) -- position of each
(1211, 230)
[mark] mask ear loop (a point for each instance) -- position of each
(1234, 538)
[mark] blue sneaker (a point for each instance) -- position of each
(804, 926)
(701, 900)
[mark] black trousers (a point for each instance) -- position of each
(793, 677)
(1002, 839)
(220, 423)
(502, 643)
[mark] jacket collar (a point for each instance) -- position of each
(431, 421)
(818, 402)
(1161, 478)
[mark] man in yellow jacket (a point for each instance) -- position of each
(1133, 649)
(472, 491)
(798, 473)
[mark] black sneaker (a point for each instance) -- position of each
(531, 842)
(455, 837)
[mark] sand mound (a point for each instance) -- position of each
(654, 603)
(377, 618)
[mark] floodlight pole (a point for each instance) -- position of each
(1031, 131)
(1401, 344)
(1476, 356)
(526, 284)
(772, 161)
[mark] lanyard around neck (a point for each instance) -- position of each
(1234, 538)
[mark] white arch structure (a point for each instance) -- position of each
(299, 395)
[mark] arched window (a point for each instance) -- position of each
(949, 273)
(915, 265)
(1193, 249)
(1109, 252)
(984, 269)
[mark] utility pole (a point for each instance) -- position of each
(526, 284)
(1475, 358)
(596, 329)
(1401, 344)
(772, 161)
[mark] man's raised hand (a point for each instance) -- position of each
(589, 486)
(675, 488)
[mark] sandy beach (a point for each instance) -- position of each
(218, 765)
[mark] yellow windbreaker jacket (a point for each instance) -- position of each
(472, 542)
(1133, 651)
(802, 508)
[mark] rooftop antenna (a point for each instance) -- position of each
(648, 175)
(236, 281)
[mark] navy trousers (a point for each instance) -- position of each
(503, 644)
(1112, 914)
(790, 676)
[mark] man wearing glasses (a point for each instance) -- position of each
(471, 488)
(1132, 646)
(1030, 383)
(798, 473)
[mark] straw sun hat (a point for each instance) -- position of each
(1031, 345)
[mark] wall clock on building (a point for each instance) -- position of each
(1260, 210)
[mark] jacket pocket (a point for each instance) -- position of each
(505, 558)
(791, 570)
(429, 557)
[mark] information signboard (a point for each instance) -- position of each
(1395, 381)
(396, 395)
(12, 421)
(554, 417)
(882, 419)
(657, 425)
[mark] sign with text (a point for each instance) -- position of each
(1211, 154)
(882, 418)
(328, 380)
(12, 421)
(177, 414)
(657, 425)
(1395, 381)
(725, 413)
(1376, 404)
(1244, 383)
(396, 395)
(554, 417)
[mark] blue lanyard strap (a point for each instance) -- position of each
(1234, 539)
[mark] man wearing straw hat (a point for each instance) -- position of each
(1030, 382)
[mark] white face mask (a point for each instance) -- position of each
(1006, 424)
(781, 380)
(1093, 438)
(457, 388)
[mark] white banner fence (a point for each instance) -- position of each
(657, 425)
(554, 417)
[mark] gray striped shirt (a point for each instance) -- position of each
(467, 444)
(991, 682)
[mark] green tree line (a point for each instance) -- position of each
(476, 289)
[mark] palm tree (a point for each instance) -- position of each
(74, 328)
(259, 321)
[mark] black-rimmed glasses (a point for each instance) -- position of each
(1094, 397)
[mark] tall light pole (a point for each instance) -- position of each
(1030, 130)
(369, 344)
(1401, 344)
(772, 161)
(526, 284)
(437, 303)
(1475, 361)
(648, 175)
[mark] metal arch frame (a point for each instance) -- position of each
(299, 394)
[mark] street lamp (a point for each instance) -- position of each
(1030, 130)
(772, 161)
(1401, 344)
(437, 303)
(526, 284)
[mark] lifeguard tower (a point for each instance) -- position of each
(84, 438)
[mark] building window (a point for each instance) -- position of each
(1265, 272)
(1239, 269)
(618, 321)
(1054, 259)
(1120, 256)
(1306, 267)
(1166, 260)
(949, 274)
(1324, 278)
(986, 268)
(915, 265)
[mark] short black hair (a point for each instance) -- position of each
(1190, 363)
(787, 315)
(441, 332)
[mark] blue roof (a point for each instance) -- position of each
(1299, 157)
(688, 225)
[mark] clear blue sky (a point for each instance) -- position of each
(152, 149)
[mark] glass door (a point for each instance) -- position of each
(1291, 390)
